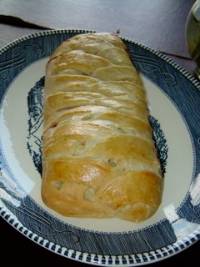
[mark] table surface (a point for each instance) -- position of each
(158, 24)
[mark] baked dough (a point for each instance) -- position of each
(99, 158)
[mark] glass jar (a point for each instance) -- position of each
(193, 35)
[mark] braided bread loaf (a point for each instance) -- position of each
(99, 158)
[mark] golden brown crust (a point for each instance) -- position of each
(99, 159)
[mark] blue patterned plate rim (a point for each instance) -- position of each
(96, 259)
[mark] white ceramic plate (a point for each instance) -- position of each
(174, 100)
